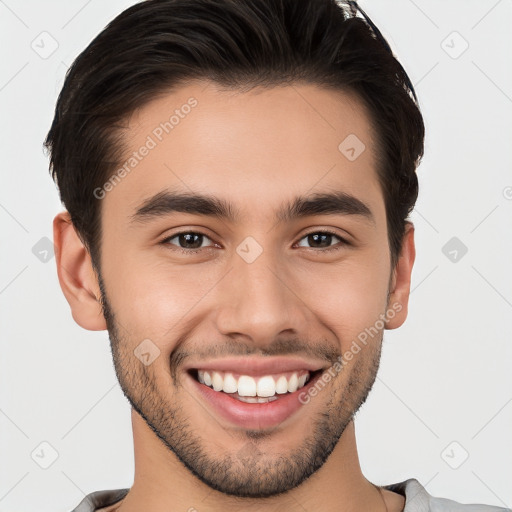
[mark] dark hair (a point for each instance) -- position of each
(157, 45)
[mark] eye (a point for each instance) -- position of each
(193, 241)
(323, 240)
(189, 241)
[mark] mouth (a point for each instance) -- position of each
(256, 397)
(254, 389)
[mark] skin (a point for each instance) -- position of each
(255, 149)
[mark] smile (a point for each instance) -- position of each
(252, 393)
(247, 388)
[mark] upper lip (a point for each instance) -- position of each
(257, 366)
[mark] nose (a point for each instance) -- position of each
(261, 300)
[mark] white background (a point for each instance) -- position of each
(445, 375)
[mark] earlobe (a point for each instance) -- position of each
(401, 282)
(76, 274)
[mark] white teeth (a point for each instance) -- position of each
(246, 386)
(257, 399)
(217, 381)
(293, 383)
(264, 400)
(230, 384)
(282, 385)
(266, 386)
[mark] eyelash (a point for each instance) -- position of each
(337, 247)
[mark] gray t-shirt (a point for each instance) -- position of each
(417, 499)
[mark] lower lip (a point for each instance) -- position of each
(253, 416)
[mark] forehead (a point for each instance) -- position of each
(255, 149)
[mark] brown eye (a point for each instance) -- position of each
(322, 240)
(187, 240)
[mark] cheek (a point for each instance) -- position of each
(347, 298)
(157, 300)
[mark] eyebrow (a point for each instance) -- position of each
(329, 203)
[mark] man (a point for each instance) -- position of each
(237, 177)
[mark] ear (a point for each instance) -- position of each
(401, 280)
(77, 277)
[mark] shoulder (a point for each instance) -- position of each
(98, 500)
(417, 499)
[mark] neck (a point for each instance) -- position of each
(163, 483)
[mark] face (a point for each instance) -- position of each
(227, 311)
